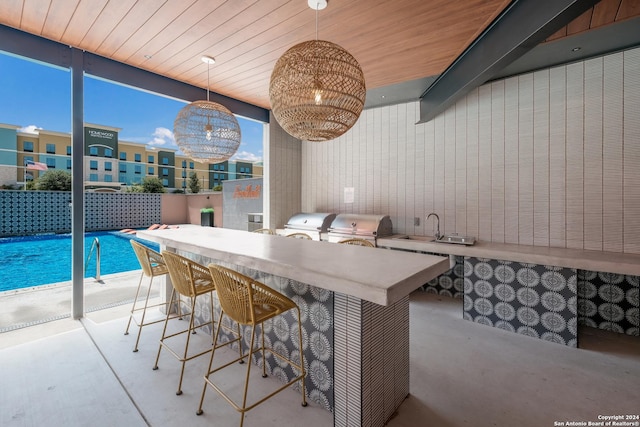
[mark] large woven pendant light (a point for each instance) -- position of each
(317, 89)
(206, 131)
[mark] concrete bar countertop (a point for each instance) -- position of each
(609, 262)
(379, 276)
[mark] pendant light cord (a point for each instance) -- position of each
(317, 7)
(208, 67)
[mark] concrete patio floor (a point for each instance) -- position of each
(462, 374)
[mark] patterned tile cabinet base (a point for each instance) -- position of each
(356, 352)
(450, 284)
(533, 300)
(609, 301)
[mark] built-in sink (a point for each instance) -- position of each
(456, 239)
(416, 238)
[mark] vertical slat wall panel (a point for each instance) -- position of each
(342, 178)
(612, 173)
(575, 155)
(283, 176)
(401, 189)
(418, 167)
(448, 222)
(541, 158)
(472, 164)
(631, 153)
(355, 166)
(511, 158)
(549, 158)
(525, 159)
(593, 154)
(461, 167)
(497, 161)
(327, 181)
(410, 168)
(377, 159)
(557, 156)
(485, 167)
(429, 171)
(385, 133)
(438, 168)
(394, 152)
(367, 170)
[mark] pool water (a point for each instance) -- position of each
(39, 260)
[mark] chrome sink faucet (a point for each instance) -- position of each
(437, 235)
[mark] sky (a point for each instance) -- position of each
(37, 96)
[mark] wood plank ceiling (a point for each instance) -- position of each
(394, 41)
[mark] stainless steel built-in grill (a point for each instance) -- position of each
(367, 227)
(315, 225)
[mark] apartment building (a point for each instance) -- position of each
(109, 163)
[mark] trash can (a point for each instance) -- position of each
(254, 221)
(206, 217)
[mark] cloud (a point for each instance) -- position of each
(30, 129)
(163, 137)
(246, 156)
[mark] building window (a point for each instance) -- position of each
(69, 164)
(51, 163)
(123, 178)
(165, 172)
(165, 160)
(165, 182)
(68, 150)
(138, 170)
(221, 167)
(123, 155)
(150, 159)
(93, 151)
(184, 184)
(93, 177)
(215, 176)
(93, 165)
(216, 167)
(28, 158)
(108, 166)
(137, 157)
(184, 163)
(150, 170)
(27, 146)
(108, 152)
(184, 174)
(108, 178)
(190, 165)
(123, 168)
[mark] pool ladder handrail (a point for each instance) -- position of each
(96, 245)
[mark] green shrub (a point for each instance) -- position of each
(54, 180)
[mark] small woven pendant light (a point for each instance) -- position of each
(206, 131)
(317, 89)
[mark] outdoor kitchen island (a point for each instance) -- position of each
(355, 311)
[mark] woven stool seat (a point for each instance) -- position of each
(249, 302)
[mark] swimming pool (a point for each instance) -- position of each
(39, 260)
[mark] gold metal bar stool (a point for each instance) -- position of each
(357, 242)
(152, 265)
(303, 236)
(252, 303)
(264, 231)
(191, 280)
